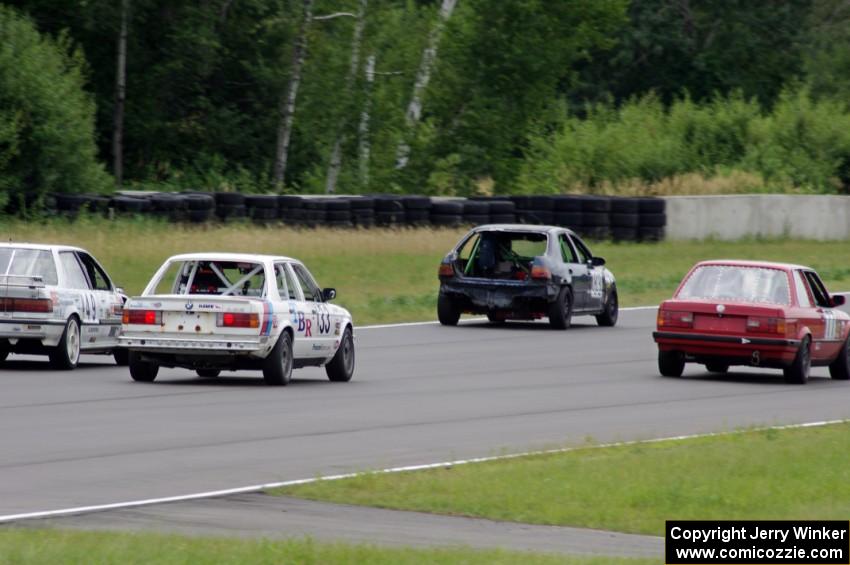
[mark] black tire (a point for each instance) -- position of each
(502, 207)
(503, 218)
(4, 351)
(142, 371)
(229, 198)
(417, 216)
(717, 367)
(208, 373)
(447, 207)
(625, 205)
(66, 355)
(625, 220)
(277, 367)
(546, 203)
(568, 219)
(494, 318)
(338, 205)
(476, 219)
(671, 363)
(798, 372)
(652, 205)
(339, 215)
(121, 356)
(650, 234)
(447, 312)
(624, 234)
(608, 317)
(476, 208)
(340, 369)
(199, 201)
(561, 309)
(568, 204)
(200, 216)
(363, 203)
(389, 204)
(540, 217)
(595, 219)
(653, 220)
(446, 220)
(414, 202)
(839, 369)
(598, 204)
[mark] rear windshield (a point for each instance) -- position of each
(737, 284)
(29, 263)
(222, 278)
(499, 254)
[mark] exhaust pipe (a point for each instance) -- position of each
(756, 358)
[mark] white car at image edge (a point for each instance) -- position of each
(210, 312)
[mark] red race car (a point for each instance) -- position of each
(753, 313)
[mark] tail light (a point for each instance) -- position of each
(237, 320)
(41, 305)
(675, 319)
(540, 272)
(766, 325)
(446, 270)
(145, 317)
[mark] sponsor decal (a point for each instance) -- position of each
(336, 330)
(189, 306)
(206, 307)
(318, 347)
(156, 305)
(596, 283)
(305, 325)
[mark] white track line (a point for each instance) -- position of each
(465, 320)
(443, 464)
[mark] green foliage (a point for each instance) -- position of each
(46, 119)
(801, 143)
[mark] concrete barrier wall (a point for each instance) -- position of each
(819, 217)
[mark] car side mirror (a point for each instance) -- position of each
(328, 294)
(597, 261)
(837, 300)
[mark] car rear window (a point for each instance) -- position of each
(737, 284)
(223, 278)
(28, 263)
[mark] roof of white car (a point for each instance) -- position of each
(244, 257)
(40, 246)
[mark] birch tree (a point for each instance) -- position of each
(429, 56)
(120, 97)
(335, 163)
(364, 146)
(287, 101)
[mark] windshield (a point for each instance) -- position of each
(29, 263)
(222, 278)
(737, 284)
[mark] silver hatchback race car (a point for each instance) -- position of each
(58, 301)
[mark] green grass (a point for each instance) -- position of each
(67, 547)
(391, 275)
(801, 474)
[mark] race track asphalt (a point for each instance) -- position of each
(421, 394)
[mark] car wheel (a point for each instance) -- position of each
(840, 368)
(609, 315)
(208, 373)
(277, 368)
(798, 372)
(671, 363)
(121, 356)
(716, 367)
(66, 354)
(447, 312)
(561, 310)
(4, 350)
(341, 367)
(141, 371)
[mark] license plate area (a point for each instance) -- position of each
(714, 323)
(191, 322)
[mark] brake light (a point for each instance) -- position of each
(145, 317)
(540, 272)
(41, 305)
(766, 325)
(675, 319)
(446, 270)
(238, 320)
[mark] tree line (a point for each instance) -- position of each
(419, 96)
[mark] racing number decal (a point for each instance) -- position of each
(324, 319)
(596, 283)
(830, 330)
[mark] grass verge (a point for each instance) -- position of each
(797, 474)
(53, 546)
(391, 275)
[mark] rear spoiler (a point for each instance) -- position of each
(22, 281)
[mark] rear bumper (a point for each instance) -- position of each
(199, 346)
(483, 296)
(732, 349)
(47, 332)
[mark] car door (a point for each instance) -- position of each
(323, 322)
(825, 327)
(587, 278)
(107, 304)
(76, 288)
(576, 270)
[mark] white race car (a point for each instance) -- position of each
(57, 300)
(215, 311)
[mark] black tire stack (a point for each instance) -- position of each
(315, 212)
(262, 208)
(568, 212)
(230, 206)
(653, 219)
(417, 210)
(200, 207)
(534, 209)
(502, 211)
(363, 212)
(171, 207)
(291, 210)
(447, 213)
(338, 213)
(389, 211)
(625, 219)
(476, 212)
(595, 217)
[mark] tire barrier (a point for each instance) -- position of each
(591, 216)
